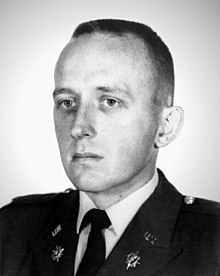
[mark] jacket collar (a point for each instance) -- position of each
(148, 238)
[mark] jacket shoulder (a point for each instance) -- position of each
(201, 206)
(29, 212)
(36, 199)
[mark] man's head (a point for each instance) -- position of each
(156, 49)
(113, 96)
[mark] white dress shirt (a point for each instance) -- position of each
(120, 215)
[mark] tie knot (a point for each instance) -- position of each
(98, 219)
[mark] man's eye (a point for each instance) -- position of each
(111, 102)
(67, 104)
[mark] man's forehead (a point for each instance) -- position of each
(126, 43)
(108, 50)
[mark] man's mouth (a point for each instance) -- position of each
(86, 156)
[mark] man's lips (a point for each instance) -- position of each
(86, 156)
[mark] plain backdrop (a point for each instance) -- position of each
(33, 33)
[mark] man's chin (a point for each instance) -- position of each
(87, 184)
(88, 189)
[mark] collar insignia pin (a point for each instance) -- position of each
(56, 230)
(132, 260)
(57, 253)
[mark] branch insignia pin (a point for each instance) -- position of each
(150, 238)
(132, 260)
(57, 253)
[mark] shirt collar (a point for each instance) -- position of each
(123, 209)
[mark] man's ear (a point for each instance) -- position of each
(170, 125)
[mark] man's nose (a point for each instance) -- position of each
(83, 126)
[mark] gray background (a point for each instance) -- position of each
(32, 36)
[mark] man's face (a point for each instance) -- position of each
(105, 120)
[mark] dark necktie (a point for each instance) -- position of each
(95, 252)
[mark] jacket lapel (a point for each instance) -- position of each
(55, 249)
(146, 245)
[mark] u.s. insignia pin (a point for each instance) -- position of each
(132, 260)
(56, 230)
(57, 253)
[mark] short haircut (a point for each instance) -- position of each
(159, 52)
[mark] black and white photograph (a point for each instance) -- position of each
(110, 120)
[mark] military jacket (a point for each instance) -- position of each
(171, 234)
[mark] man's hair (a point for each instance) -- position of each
(159, 52)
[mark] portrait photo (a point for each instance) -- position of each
(109, 138)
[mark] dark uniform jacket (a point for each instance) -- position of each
(170, 235)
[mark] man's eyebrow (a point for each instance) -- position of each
(105, 89)
(113, 90)
(60, 91)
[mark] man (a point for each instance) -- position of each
(114, 85)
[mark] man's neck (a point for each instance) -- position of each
(105, 199)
